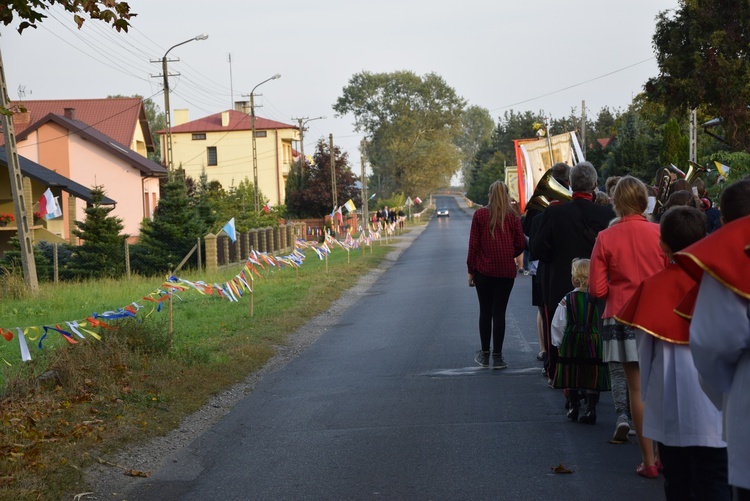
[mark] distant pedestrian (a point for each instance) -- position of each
(495, 239)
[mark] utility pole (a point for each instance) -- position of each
(16, 187)
(256, 189)
(165, 75)
(693, 155)
(333, 172)
(302, 121)
(365, 212)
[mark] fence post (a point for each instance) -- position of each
(127, 259)
(278, 239)
(262, 240)
(212, 254)
(245, 237)
(200, 258)
(227, 257)
(270, 240)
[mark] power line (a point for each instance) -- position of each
(573, 86)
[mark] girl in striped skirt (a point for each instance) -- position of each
(581, 369)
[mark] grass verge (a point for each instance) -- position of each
(72, 403)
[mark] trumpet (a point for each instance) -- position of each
(548, 189)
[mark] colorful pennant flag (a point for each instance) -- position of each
(230, 230)
(723, 169)
(349, 206)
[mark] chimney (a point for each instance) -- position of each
(21, 118)
(242, 106)
(70, 113)
(225, 119)
(180, 117)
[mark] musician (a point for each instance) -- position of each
(566, 231)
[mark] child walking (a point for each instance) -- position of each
(580, 369)
(678, 415)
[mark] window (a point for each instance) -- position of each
(199, 137)
(212, 157)
(261, 133)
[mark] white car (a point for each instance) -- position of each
(443, 212)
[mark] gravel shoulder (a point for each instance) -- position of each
(108, 481)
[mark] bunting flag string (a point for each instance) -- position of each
(231, 290)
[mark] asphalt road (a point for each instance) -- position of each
(388, 404)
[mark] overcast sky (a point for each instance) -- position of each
(499, 54)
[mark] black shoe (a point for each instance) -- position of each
(589, 417)
(498, 362)
(483, 358)
(573, 412)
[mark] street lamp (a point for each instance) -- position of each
(165, 73)
(255, 151)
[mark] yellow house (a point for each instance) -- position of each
(221, 146)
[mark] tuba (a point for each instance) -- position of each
(663, 184)
(548, 189)
(694, 170)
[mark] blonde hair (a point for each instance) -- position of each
(498, 205)
(579, 271)
(630, 197)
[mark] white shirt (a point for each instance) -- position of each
(676, 411)
(560, 321)
(720, 343)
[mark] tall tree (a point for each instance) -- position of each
(702, 53)
(168, 238)
(410, 123)
(315, 198)
(102, 253)
(674, 146)
(31, 12)
(476, 129)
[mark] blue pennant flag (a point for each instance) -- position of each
(230, 231)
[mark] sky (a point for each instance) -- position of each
(543, 55)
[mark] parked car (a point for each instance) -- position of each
(443, 211)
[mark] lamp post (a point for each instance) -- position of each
(165, 73)
(256, 191)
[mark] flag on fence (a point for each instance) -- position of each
(267, 207)
(349, 205)
(49, 208)
(417, 200)
(230, 231)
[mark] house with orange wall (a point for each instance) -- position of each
(221, 146)
(80, 152)
(121, 118)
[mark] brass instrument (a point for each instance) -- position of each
(547, 189)
(663, 184)
(694, 170)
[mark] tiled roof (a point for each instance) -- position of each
(114, 117)
(237, 121)
(51, 178)
(143, 164)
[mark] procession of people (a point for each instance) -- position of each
(658, 313)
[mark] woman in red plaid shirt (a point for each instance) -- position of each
(495, 240)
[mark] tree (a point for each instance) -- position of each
(702, 53)
(315, 198)
(102, 253)
(674, 146)
(175, 228)
(476, 129)
(490, 171)
(32, 12)
(410, 123)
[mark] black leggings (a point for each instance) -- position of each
(493, 294)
